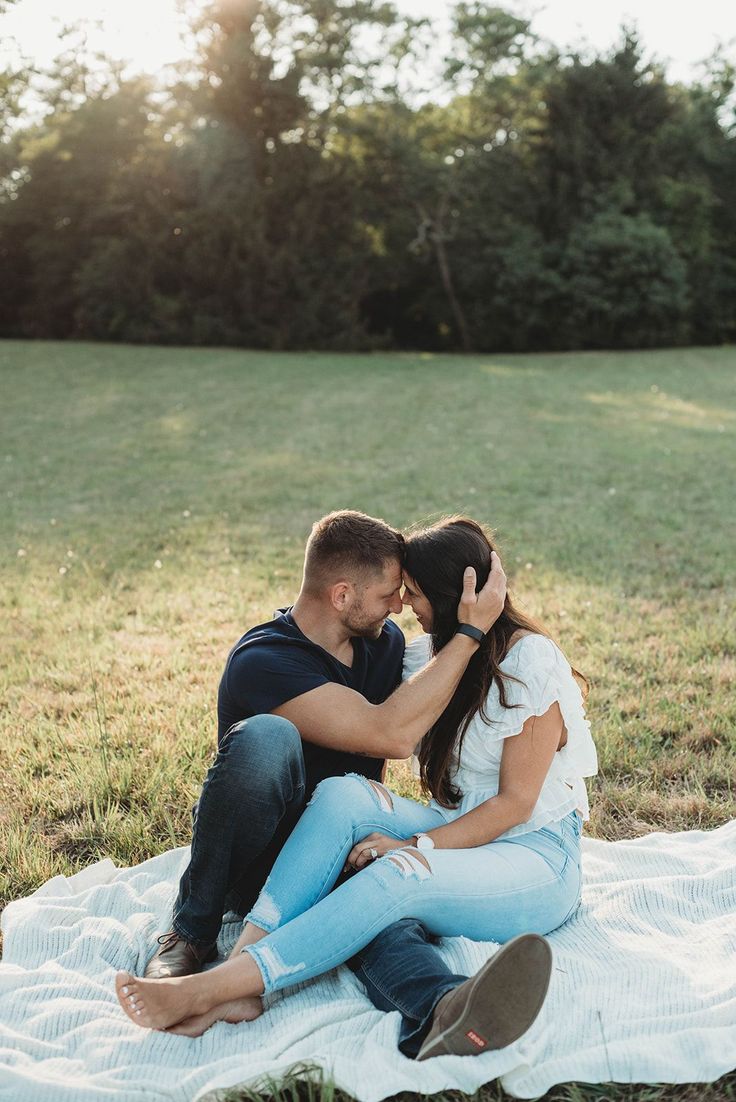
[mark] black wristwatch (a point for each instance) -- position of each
(473, 633)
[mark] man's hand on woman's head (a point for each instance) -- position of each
(481, 610)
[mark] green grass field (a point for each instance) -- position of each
(156, 503)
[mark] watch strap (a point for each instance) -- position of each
(473, 633)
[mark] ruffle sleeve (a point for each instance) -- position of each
(531, 686)
(539, 676)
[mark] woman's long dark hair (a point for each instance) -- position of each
(436, 559)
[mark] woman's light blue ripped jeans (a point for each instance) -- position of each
(529, 883)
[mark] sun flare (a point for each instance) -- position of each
(150, 34)
(146, 33)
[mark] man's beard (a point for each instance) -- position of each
(362, 628)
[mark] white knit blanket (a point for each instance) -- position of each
(643, 990)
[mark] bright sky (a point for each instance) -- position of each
(147, 32)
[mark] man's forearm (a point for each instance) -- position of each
(341, 719)
(412, 709)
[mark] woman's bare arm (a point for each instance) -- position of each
(525, 762)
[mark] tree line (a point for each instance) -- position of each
(291, 185)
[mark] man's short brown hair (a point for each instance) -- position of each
(348, 545)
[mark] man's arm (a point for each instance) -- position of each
(342, 719)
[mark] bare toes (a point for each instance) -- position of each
(122, 979)
(130, 998)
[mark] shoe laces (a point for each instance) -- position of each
(167, 940)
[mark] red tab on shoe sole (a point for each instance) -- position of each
(478, 1041)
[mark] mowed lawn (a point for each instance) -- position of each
(155, 503)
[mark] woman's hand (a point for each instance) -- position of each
(373, 846)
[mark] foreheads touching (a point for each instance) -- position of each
(353, 568)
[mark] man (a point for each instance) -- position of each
(314, 693)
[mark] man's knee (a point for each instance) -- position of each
(264, 735)
(268, 747)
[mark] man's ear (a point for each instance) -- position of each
(341, 594)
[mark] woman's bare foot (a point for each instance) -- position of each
(238, 1010)
(249, 936)
(157, 1004)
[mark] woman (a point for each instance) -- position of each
(494, 855)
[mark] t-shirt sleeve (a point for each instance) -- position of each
(262, 678)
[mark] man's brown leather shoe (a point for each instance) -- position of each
(177, 957)
(495, 1006)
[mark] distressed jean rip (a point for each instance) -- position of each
(379, 791)
(265, 913)
(409, 863)
(270, 964)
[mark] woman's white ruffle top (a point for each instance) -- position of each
(544, 676)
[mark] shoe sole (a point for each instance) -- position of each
(504, 998)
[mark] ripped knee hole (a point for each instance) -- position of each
(384, 796)
(410, 862)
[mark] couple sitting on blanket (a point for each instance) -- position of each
(295, 830)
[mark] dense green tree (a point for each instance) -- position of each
(436, 196)
(71, 162)
(599, 142)
(303, 183)
(625, 285)
(14, 80)
(696, 199)
(266, 193)
(618, 141)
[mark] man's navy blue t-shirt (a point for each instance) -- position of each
(276, 662)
